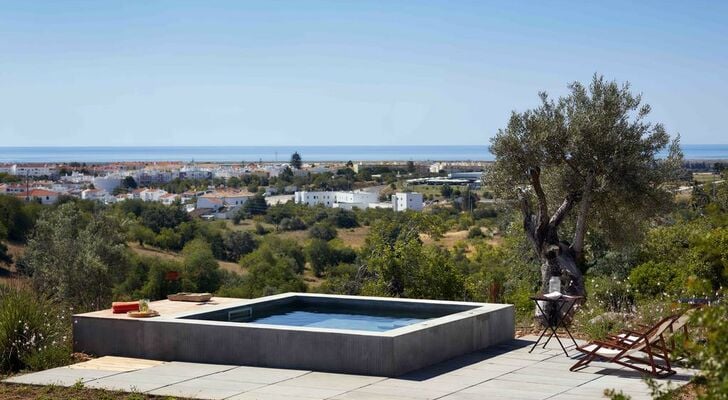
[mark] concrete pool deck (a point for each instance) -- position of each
(505, 371)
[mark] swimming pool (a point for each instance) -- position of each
(305, 313)
(330, 333)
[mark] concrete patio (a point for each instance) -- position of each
(502, 372)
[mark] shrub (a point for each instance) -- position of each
(610, 294)
(475, 232)
(709, 352)
(201, 270)
(34, 332)
(260, 229)
(322, 231)
(651, 278)
(292, 224)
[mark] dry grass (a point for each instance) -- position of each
(170, 255)
(28, 392)
(354, 237)
(705, 177)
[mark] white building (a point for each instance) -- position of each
(107, 183)
(152, 194)
(12, 188)
(34, 170)
(220, 199)
(42, 195)
(94, 194)
(346, 200)
(407, 201)
(169, 199)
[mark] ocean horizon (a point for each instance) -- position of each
(102, 154)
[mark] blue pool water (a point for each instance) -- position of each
(340, 318)
(355, 322)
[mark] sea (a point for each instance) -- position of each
(94, 154)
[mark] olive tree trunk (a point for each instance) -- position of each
(558, 258)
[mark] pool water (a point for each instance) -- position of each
(339, 318)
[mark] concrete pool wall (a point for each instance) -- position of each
(177, 337)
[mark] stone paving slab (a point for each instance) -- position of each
(63, 376)
(506, 372)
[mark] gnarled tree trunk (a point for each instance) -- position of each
(558, 258)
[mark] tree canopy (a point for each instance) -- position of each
(589, 159)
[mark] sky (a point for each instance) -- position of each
(359, 72)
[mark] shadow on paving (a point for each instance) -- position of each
(465, 360)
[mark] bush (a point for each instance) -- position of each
(651, 279)
(292, 224)
(475, 232)
(34, 332)
(709, 353)
(260, 229)
(322, 231)
(321, 256)
(201, 270)
(610, 294)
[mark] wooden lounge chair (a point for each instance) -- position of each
(679, 322)
(644, 350)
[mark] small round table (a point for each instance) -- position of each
(555, 319)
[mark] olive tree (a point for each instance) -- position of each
(589, 161)
(76, 257)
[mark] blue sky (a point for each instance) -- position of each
(342, 72)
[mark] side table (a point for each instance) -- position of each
(555, 320)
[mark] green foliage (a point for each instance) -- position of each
(708, 353)
(654, 278)
(272, 268)
(596, 135)
(504, 274)
(238, 244)
(342, 218)
(141, 234)
(611, 294)
(16, 218)
(157, 216)
(292, 224)
(201, 270)
(34, 332)
(321, 255)
(475, 232)
(260, 229)
(402, 266)
(255, 205)
(615, 395)
(683, 259)
(446, 191)
(75, 257)
(322, 231)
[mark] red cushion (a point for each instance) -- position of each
(119, 307)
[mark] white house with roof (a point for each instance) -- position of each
(169, 198)
(407, 201)
(44, 196)
(219, 199)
